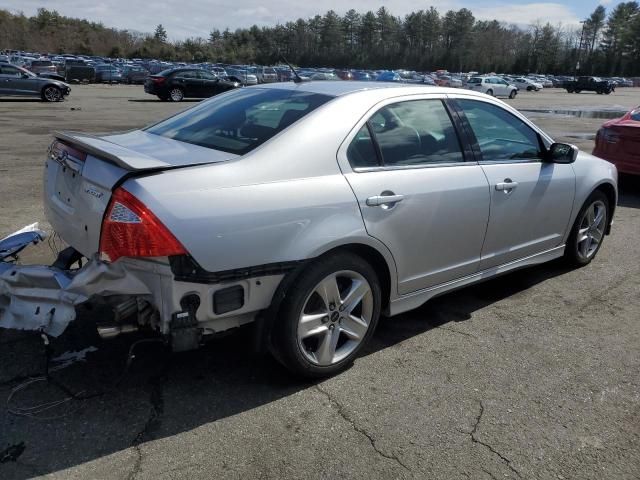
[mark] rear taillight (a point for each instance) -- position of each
(157, 80)
(130, 229)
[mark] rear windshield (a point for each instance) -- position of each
(241, 120)
(475, 80)
(41, 63)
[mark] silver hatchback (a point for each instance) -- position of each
(309, 210)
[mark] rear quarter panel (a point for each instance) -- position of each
(230, 227)
(287, 200)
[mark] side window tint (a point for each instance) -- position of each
(500, 135)
(416, 132)
(12, 71)
(361, 152)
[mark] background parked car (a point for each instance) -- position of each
(448, 81)
(134, 74)
(363, 76)
(590, 84)
(618, 141)
(176, 84)
(42, 66)
(495, 86)
(18, 81)
(323, 76)
(527, 84)
(266, 74)
(243, 75)
(77, 70)
(107, 73)
(389, 76)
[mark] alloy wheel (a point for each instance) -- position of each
(52, 94)
(335, 318)
(176, 95)
(591, 231)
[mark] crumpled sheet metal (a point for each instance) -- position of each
(39, 297)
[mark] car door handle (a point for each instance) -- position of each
(379, 200)
(506, 186)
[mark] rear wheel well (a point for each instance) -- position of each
(376, 260)
(367, 253)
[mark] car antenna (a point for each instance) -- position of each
(296, 78)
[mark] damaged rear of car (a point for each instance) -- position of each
(142, 228)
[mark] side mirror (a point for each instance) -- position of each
(562, 153)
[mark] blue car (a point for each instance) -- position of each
(389, 76)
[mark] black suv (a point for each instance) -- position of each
(590, 84)
(177, 84)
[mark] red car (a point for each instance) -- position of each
(618, 141)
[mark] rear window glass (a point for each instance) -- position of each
(241, 120)
(475, 80)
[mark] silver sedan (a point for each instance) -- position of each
(308, 210)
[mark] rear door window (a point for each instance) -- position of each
(362, 151)
(10, 71)
(416, 132)
(240, 121)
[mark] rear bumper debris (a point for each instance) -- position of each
(43, 298)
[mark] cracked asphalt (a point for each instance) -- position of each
(534, 375)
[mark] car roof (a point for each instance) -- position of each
(337, 89)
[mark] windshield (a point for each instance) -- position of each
(241, 120)
(24, 71)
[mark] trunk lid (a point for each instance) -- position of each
(82, 170)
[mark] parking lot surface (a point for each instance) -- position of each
(532, 375)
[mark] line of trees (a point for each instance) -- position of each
(605, 44)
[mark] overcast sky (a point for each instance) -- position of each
(188, 18)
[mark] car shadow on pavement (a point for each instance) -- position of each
(629, 191)
(163, 395)
(21, 100)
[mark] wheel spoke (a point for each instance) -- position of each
(596, 235)
(358, 290)
(591, 214)
(599, 217)
(583, 234)
(586, 246)
(311, 325)
(328, 291)
(353, 327)
(327, 348)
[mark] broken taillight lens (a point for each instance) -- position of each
(130, 229)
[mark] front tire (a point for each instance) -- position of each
(328, 315)
(490, 92)
(588, 230)
(51, 94)
(513, 94)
